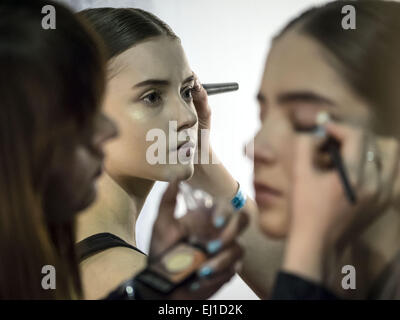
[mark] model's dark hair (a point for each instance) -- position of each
(367, 58)
(51, 85)
(122, 28)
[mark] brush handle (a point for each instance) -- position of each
(333, 147)
(215, 88)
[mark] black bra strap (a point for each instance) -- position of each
(100, 242)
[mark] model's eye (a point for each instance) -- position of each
(153, 98)
(303, 118)
(187, 94)
(298, 127)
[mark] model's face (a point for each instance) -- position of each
(297, 83)
(77, 164)
(149, 98)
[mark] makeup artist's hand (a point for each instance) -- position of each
(200, 100)
(322, 216)
(220, 240)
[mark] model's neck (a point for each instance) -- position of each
(116, 209)
(137, 190)
(369, 253)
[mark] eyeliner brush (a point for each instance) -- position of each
(333, 147)
(215, 88)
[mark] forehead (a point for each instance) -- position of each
(296, 62)
(158, 58)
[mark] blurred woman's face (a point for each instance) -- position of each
(297, 83)
(149, 98)
(77, 164)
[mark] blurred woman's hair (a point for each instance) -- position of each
(367, 57)
(51, 84)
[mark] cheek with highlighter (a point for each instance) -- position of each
(126, 155)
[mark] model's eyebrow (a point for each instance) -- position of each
(304, 97)
(159, 82)
(188, 79)
(151, 82)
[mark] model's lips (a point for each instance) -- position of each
(265, 194)
(186, 145)
(186, 148)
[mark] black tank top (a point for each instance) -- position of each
(100, 242)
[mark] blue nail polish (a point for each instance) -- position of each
(214, 246)
(219, 221)
(205, 272)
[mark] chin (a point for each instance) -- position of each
(273, 223)
(181, 172)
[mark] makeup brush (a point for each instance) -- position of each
(215, 88)
(333, 147)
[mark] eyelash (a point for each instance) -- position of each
(190, 90)
(158, 95)
(159, 98)
(302, 125)
(304, 128)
